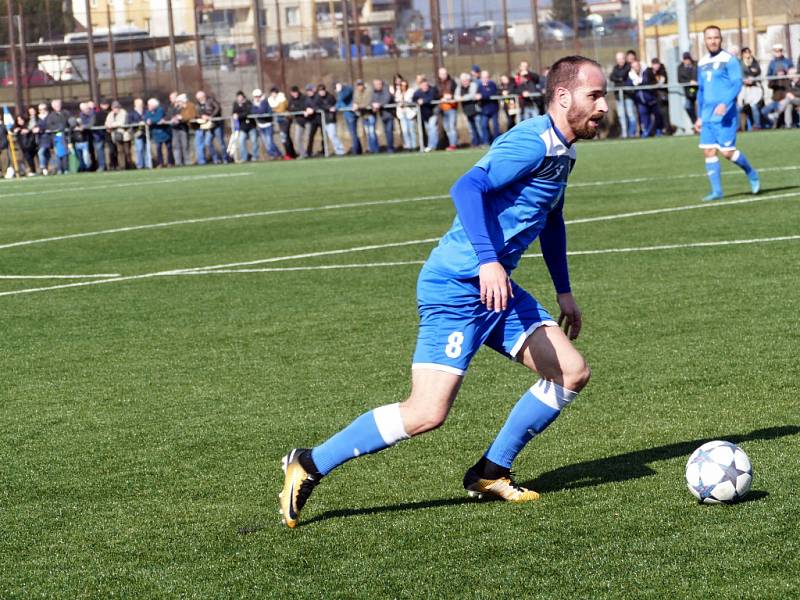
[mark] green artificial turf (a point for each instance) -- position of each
(142, 420)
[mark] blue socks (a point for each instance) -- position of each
(739, 160)
(371, 432)
(383, 427)
(714, 175)
(537, 408)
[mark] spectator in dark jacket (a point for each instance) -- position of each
(526, 84)
(424, 97)
(620, 77)
(179, 128)
(465, 93)
(448, 109)
(646, 100)
(44, 139)
(27, 142)
(508, 90)
(242, 107)
(210, 134)
(313, 119)
(160, 135)
(379, 101)
(687, 74)
(325, 104)
(489, 122)
(298, 103)
(662, 96)
(57, 122)
(752, 93)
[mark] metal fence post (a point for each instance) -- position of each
(324, 134)
(421, 139)
(621, 111)
(148, 158)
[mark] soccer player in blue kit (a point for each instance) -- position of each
(466, 298)
(719, 77)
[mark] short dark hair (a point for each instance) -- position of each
(712, 27)
(564, 73)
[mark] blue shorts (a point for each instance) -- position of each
(720, 133)
(453, 323)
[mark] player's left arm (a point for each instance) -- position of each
(553, 242)
(727, 101)
(514, 156)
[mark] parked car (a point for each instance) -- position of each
(35, 77)
(619, 24)
(664, 17)
(556, 30)
(300, 51)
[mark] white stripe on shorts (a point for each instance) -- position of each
(524, 336)
(438, 367)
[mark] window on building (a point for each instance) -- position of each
(293, 16)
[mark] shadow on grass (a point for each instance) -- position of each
(764, 190)
(623, 467)
(635, 465)
(374, 510)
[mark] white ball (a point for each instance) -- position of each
(719, 471)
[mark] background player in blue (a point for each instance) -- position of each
(466, 298)
(719, 76)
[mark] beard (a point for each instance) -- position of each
(583, 124)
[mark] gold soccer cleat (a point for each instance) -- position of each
(504, 488)
(297, 487)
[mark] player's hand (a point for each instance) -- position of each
(495, 286)
(570, 318)
(721, 110)
(698, 125)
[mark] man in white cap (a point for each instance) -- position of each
(779, 61)
(264, 128)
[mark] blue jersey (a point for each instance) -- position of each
(719, 79)
(527, 169)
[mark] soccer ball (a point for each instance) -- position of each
(719, 472)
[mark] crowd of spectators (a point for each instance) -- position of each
(644, 112)
(305, 122)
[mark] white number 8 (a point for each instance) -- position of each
(454, 341)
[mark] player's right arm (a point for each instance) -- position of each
(512, 157)
(698, 124)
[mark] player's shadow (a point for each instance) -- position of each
(622, 467)
(636, 464)
(765, 190)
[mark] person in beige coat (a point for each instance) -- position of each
(116, 122)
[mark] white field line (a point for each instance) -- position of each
(309, 255)
(85, 283)
(638, 213)
(658, 211)
(154, 181)
(93, 276)
(186, 272)
(248, 215)
(535, 255)
(339, 206)
(581, 184)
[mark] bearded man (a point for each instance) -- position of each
(466, 298)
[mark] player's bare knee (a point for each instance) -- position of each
(575, 374)
(421, 415)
